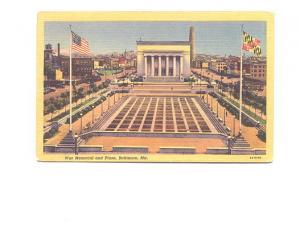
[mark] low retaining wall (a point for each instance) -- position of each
(217, 151)
(131, 149)
(242, 151)
(49, 148)
(177, 150)
(260, 151)
(71, 149)
(90, 148)
(159, 134)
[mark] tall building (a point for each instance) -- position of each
(193, 46)
(82, 67)
(258, 70)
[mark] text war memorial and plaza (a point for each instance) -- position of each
(163, 97)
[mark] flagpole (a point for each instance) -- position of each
(70, 54)
(241, 79)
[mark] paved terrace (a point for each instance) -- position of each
(159, 114)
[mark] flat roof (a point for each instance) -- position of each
(162, 42)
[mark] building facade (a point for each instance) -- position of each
(218, 66)
(258, 71)
(82, 67)
(167, 60)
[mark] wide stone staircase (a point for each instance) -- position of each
(240, 142)
(214, 120)
(106, 115)
(69, 141)
(162, 79)
(240, 146)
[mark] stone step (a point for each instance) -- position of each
(162, 79)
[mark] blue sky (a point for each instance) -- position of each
(211, 37)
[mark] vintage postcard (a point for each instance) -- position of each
(155, 86)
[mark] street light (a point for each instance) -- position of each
(207, 98)
(81, 122)
(102, 108)
(76, 138)
(93, 113)
(229, 142)
(233, 133)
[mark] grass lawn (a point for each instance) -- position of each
(109, 71)
(250, 113)
(61, 115)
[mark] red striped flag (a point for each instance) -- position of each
(80, 44)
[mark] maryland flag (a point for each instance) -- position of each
(251, 44)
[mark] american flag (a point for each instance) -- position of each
(80, 45)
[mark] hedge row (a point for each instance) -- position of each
(53, 130)
(262, 135)
(245, 120)
(77, 116)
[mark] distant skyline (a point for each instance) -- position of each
(213, 38)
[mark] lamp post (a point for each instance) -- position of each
(93, 113)
(233, 131)
(224, 116)
(207, 98)
(101, 108)
(217, 109)
(81, 122)
(114, 97)
(76, 138)
(211, 103)
(108, 101)
(229, 139)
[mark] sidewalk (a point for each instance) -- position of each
(86, 119)
(250, 108)
(248, 132)
(47, 117)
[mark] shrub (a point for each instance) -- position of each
(262, 135)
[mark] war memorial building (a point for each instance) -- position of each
(165, 61)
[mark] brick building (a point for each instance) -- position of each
(82, 67)
(258, 71)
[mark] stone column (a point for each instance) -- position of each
(152, 66)
(146, 71)
(181, 66)
(159, 66)
(167, 66)
(174, 66)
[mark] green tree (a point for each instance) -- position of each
(51, 109)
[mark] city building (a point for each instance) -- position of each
(51, 62)
(258, 71)
(219, 66)
(114, 62)
(82, 67)
(201, 63)
(122, 62)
